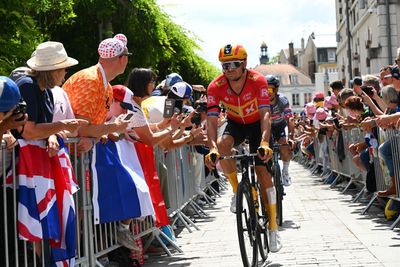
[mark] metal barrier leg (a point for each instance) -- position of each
(348, 185)
(190, 221)
(359, 194)
(197, 208)
(338, 177)
(370, 203)
(212, 190)
(396, 222)
(222, 184)
(172, 243)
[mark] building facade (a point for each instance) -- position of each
(368, 36)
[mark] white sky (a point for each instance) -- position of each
(250, 22)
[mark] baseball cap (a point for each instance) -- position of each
(124, 95)
(395, 72)
(9, 94)
(182, 89)
(113, 47)
(172, 79)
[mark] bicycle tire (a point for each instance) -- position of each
(262, 230)
(246, 226)
(279, 194)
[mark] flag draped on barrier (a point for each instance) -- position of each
(146, 157)
(46, 208)
(119, 189)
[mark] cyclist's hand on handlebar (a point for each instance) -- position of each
(212, 158)
(264, 151)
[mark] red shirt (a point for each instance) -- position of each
(243, 107)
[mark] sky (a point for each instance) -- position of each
(251, 22)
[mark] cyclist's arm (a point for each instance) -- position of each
(290, 127)
(265, 124)
(212, 126)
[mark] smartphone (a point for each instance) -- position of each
(128, 117)
(172, 106)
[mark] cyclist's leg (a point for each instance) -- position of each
(232, 136)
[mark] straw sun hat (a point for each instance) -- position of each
(50, 56)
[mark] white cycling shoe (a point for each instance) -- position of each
(233, 204)
(274, 241)
(286, 180)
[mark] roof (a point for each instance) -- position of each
(286, 51)
(283, 71)
(325, 40)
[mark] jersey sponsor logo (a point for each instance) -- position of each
(211, 100)
(242, 111)
(247, 96)
(264, 92)
(250, 109)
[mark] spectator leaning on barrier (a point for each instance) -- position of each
(385, 75)
(90, 91)
(48, 63)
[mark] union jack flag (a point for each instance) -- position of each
(46, 208)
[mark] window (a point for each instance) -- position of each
(293, 79)
(331, 55)
(295, 99)
(307, 98)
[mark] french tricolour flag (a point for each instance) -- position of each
(119, 188)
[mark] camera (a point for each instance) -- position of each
(20, 108)
(368, 90)
(172, 106)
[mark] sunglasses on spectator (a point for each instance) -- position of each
(231, 65)
(127, 54)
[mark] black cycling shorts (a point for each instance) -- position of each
(277, 132)
(240, 132)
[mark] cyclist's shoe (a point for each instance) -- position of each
(286, 180)
(274, 241)
(233, 204)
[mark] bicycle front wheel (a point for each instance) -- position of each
(246, 225)
(262, 229)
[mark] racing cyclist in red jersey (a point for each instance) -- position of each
(244, 93)
(281, 116)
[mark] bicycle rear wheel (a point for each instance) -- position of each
(246, 225)
(262, 229)
(279, 194)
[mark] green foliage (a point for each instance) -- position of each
(274, 59)
(154, 39)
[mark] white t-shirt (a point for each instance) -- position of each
(138, 119)
(62, 107)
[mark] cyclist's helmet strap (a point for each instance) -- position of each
(232, 52)
(273, 80)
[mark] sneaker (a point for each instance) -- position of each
(274, 241)
(233, 204)
(126, 239)
(286, 180)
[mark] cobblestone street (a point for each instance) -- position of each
(321, 228)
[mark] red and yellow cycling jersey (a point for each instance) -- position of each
(243, 107)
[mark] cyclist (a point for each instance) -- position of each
(281, 116)
(244, 93)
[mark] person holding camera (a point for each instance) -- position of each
(245, 94)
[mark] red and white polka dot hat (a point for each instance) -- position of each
(113, 47)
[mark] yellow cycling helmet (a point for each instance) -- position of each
(232, 52)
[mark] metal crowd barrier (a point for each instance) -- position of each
(346, 168)
(92, 241)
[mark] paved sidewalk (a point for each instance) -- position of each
(321, 228)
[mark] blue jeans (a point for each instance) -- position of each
(386, 151)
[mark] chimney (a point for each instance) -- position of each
(302, 44)
(291, 53)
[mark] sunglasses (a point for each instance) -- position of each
(231, 65)
(127, 54)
